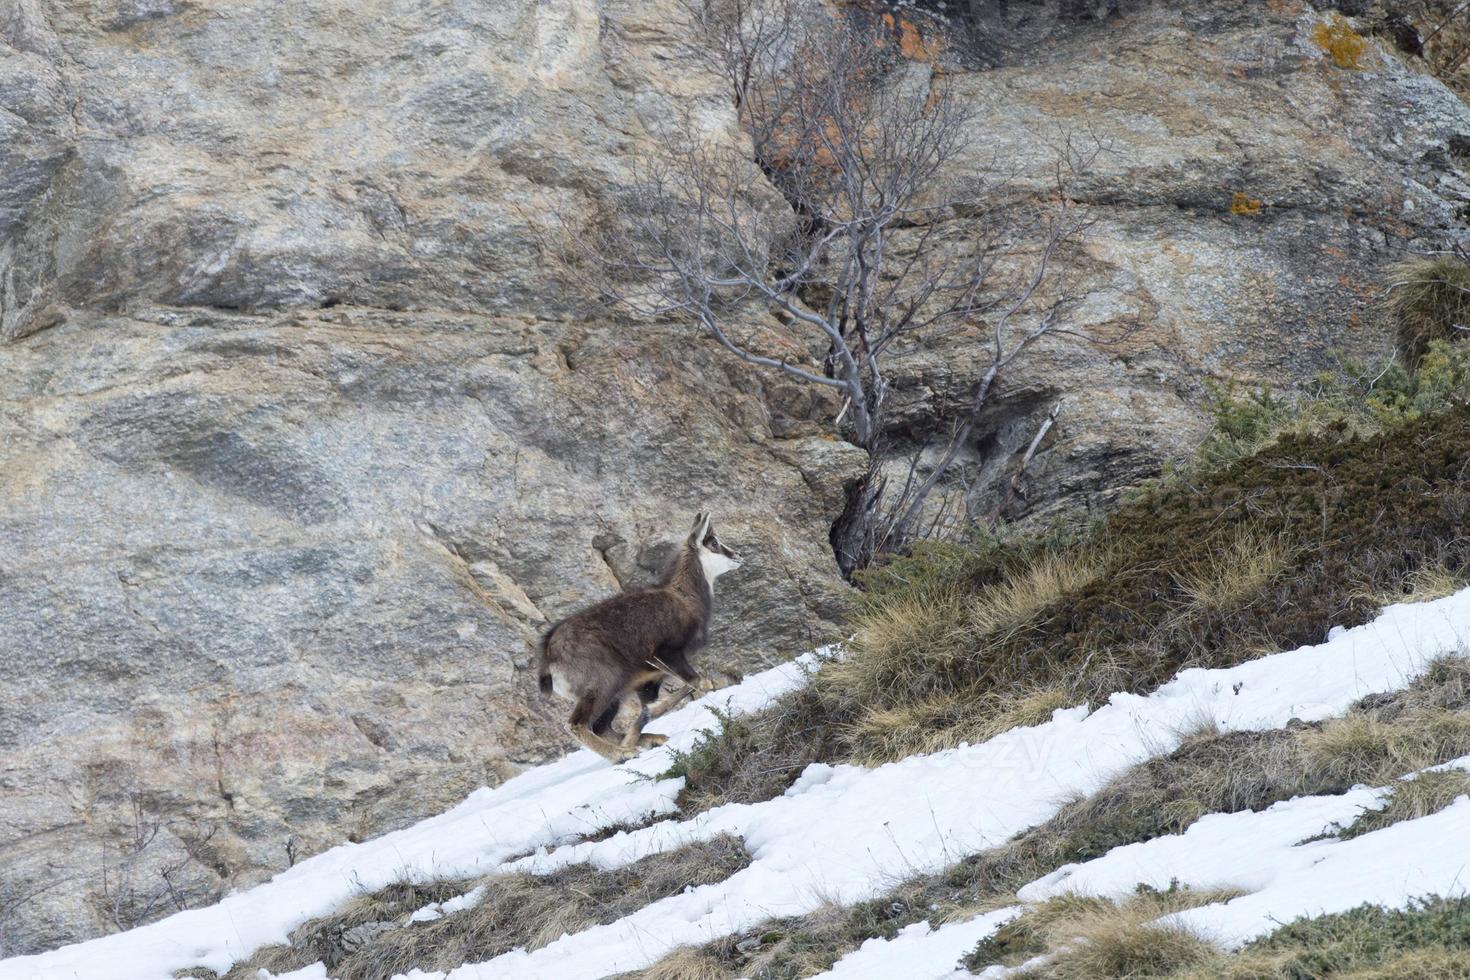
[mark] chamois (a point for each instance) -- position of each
(631, 642)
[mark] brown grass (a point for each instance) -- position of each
(1410, 799)
(1228, 576)
(944, 720)
(905, 638)
(897, 693)
(1423, 585)
(1362, 748)
(1429, 299)
(517, 911)
(999, 611)
(684, 963)
(1095, 938)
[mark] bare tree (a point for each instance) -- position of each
(853, 131)
(137, 884)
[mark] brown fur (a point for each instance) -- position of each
(630, 643)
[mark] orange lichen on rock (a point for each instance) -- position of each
(1241, 203)
(911, 43)
(1336, 37)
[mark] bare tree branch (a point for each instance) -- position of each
(856, 250)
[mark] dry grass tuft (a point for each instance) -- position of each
(1000, 610)
(945, 720)
(1228, 576)
(926, 670)
(1423, 585)
(905, 636)
(1119, 945)
(1429, 300)
(1361, 748)
(684, 963)
(1410, 799)
(1095, 938)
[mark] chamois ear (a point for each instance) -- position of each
(701, 526)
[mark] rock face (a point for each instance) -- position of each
(270, 579)
(303, 436)
(1247, 198)
(271, 582)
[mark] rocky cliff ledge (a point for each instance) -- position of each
(301, 441)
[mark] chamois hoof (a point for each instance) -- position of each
(651, 741)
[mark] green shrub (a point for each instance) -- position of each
(1359, 400)
(1241, 423)
(1395, 395)
(1365, 937)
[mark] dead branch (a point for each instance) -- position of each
(855, 252)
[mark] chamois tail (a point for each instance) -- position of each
(545, 665)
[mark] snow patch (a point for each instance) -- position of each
(844, 834)
(1267, 854)
(856, 832)
(564, 800)
(919, 950)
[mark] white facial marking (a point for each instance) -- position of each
(715, 564)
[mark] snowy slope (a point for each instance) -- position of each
(1269, 854)
(563, 800)
(845, 834)
(840, 833)
(1285, 877)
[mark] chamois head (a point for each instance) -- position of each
(714, 557)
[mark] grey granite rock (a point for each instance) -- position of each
(303, 436)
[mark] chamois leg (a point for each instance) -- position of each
(635, 729)
(586, 711)
(647, 694)
(604, 721)
(677, 701)
(675, 666)
(695, 685)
